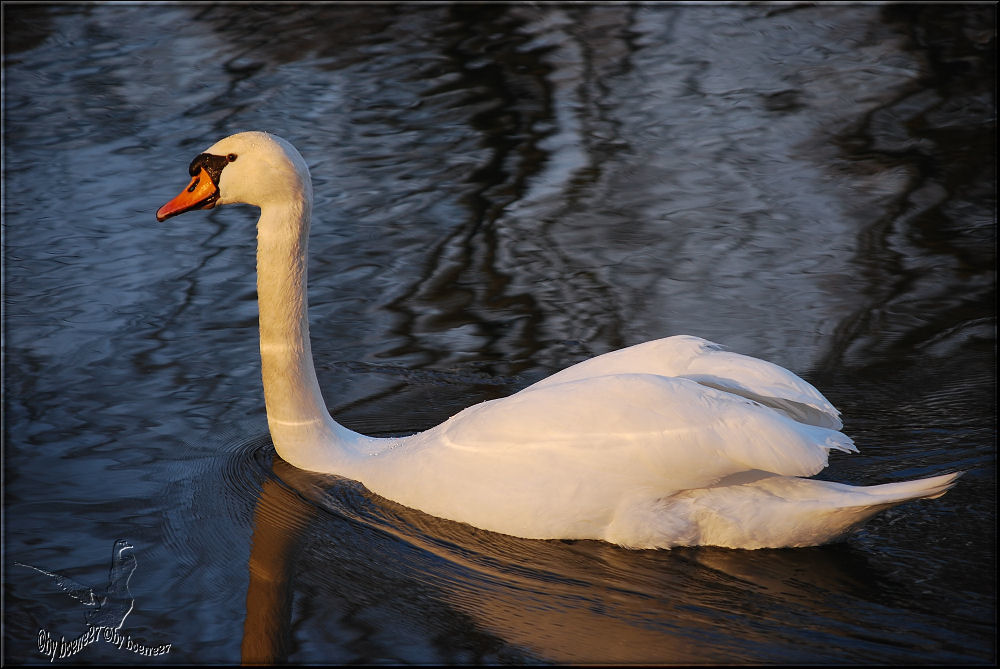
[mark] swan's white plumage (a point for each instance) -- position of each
(671, 442)
(711, 365)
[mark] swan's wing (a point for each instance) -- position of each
(667, 433)
(78, 591)
(711, 365)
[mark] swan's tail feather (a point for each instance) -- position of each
(788, 511)
(929, 488)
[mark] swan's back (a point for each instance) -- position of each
(710, 364)
(703, 447)
(560, 458)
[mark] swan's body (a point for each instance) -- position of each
(671, 442)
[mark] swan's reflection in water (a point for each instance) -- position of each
(279, 520)
(355, 560)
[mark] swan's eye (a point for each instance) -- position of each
(231, 157)
(194, 184)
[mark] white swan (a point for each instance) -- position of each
(672, 442)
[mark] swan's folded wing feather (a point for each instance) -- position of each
(766, 383)
(711, 365)
(671, 433)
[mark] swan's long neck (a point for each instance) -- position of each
(302, 429)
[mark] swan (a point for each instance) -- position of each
(673, 442)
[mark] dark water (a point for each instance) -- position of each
(502, 190)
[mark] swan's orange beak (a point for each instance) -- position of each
(201, 193)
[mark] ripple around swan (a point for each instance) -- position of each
(352, 545)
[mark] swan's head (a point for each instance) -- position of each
(249, 167)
